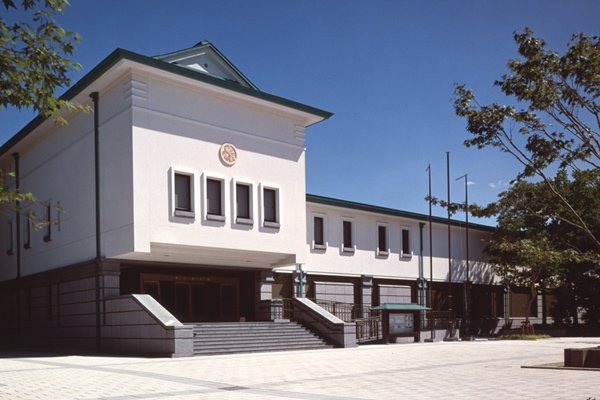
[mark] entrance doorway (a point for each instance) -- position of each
(194, 299)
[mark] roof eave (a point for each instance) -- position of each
(329, 201)
(121, 54)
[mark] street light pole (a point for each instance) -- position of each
(449, 241)
(468, 280)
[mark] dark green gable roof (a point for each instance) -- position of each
(120, 54)
(311, 198)
(206, 44)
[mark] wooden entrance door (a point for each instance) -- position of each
(195, 299)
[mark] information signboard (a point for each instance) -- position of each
(402, 323)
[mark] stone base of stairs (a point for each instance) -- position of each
(212, 338)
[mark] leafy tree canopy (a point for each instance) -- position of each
(35, 58)
(35, 61)
(557, 127)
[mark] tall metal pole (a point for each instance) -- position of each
(18, 247)
(430, 257)
(468, 280)
(94, 96)
(449, 243)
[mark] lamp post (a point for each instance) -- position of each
(449, 241)
(467, 281)
(430, 259)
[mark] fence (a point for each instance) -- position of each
(437, 320)
(368, 322)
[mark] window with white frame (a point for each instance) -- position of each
(48, 223)
(243, 203)
(270, 197)
(383, 242)
(9, 238)
(183, 194)
(405, 242)
(27, 231)
(215, 197)
(319, 231)
(348, 235)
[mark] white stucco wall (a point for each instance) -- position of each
(151, 124)
(180, 128)
(365, 260)
(57, 165)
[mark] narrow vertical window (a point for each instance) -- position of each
(382, 240)
(347, 235)
(49, 301)
(9, 238)
(270, 208)
(214, 197)
(183, 198)
(243, 205)
(27, 231)
(48, 222)
(406, 243)
(58, 216)
(318, 231)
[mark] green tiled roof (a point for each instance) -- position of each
(204, 44)
(311, 198)
(120, 54)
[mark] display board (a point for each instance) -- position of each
(402, 323)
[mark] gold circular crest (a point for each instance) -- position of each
(228, 154)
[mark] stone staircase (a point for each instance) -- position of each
(211, 338)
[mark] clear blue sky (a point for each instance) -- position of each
(386, 69)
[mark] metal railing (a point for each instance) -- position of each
(281, 309)
(368, 322)
(345, 311)
(368, 329)
(438, 320)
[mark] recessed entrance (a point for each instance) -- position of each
(194, 299)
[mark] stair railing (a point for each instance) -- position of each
(281, 309)
(368, 322)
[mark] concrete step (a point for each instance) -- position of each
(249, 337)
(258, 349)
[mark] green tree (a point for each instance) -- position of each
(559, 125)
(35, 61)
(534, 247)
(35, 58)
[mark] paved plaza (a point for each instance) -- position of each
(446, 370)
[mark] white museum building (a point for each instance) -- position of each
(183, 202)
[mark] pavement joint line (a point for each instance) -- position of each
(498, 363)
(211, 386)
(404, 369)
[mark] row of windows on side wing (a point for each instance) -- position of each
(348, 236)
(214, 200)
(26, 219)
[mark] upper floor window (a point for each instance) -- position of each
(405, 242)
(27, 231)
(48, 223)
(348, 241)
(271, 207)
(183, 194)
(243, 203)
(214, 199)
(319, 231)
(383, 239)
(9, 238)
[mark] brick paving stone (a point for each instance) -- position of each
(480, 369)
